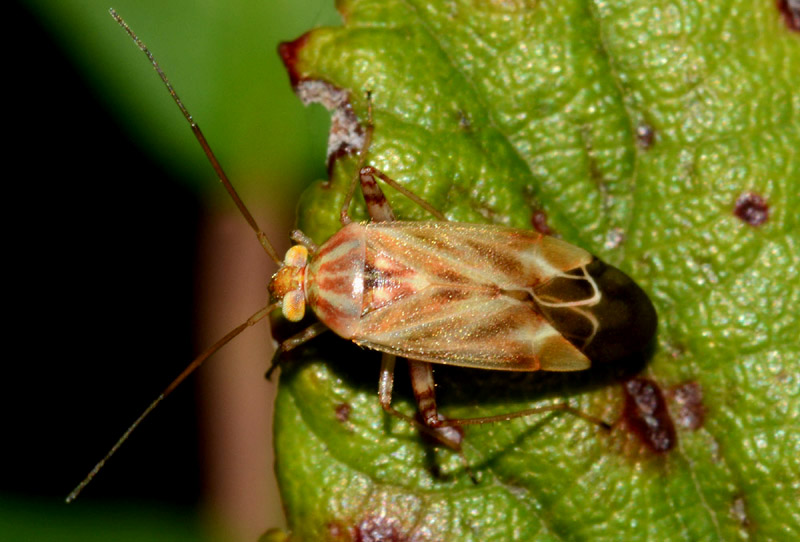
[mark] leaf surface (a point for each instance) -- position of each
(660, 136)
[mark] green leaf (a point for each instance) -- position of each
(637, 127)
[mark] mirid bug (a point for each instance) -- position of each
(439, 292)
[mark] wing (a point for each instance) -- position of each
(470, 328)
(456, 294)
(507, 258)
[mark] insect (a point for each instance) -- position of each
(438, 292)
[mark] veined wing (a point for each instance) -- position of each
(458, 294)
(470, 327)
(475, 254)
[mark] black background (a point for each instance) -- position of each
(98, 252)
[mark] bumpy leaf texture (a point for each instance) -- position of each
(663, 137)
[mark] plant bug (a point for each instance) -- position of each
(438, 292)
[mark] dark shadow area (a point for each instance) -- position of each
(99, 244)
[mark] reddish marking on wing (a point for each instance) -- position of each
(752, 209)
(496, 256)
(333, 243)
(338, 265)
(383, 264)
(334, 285)
(328, 313)
(449, 275)
(385, 294)
(646, 415)
(450, 294)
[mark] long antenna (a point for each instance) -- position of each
(254, 319)
(262, 237)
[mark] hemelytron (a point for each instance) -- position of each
(438, 292)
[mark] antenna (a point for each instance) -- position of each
(262, 237)
(254, 319)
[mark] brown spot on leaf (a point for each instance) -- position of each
(343, 411)
(646, 414)
(790, 9)
(463, 121)
(288, 51)
(739, 512)
(539, 222)
(688, 397)
(752, 209)
(379, 529)
(338, 532)
(645, 136)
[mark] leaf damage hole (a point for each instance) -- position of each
(346, 135)
(688, 398)
(790, 10)
(752, 209)
(646, 415)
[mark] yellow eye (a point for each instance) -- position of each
(294, 305)
(297, 256)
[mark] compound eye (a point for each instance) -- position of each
(294, 305)
(296, 256)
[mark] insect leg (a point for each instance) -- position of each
(344, 216)
(301, 238)
(366, 174)
(292, 342)
(369, 173)
(377, 205)
(385, 388)
(421, 372)
(425, 393)
(560, 407)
